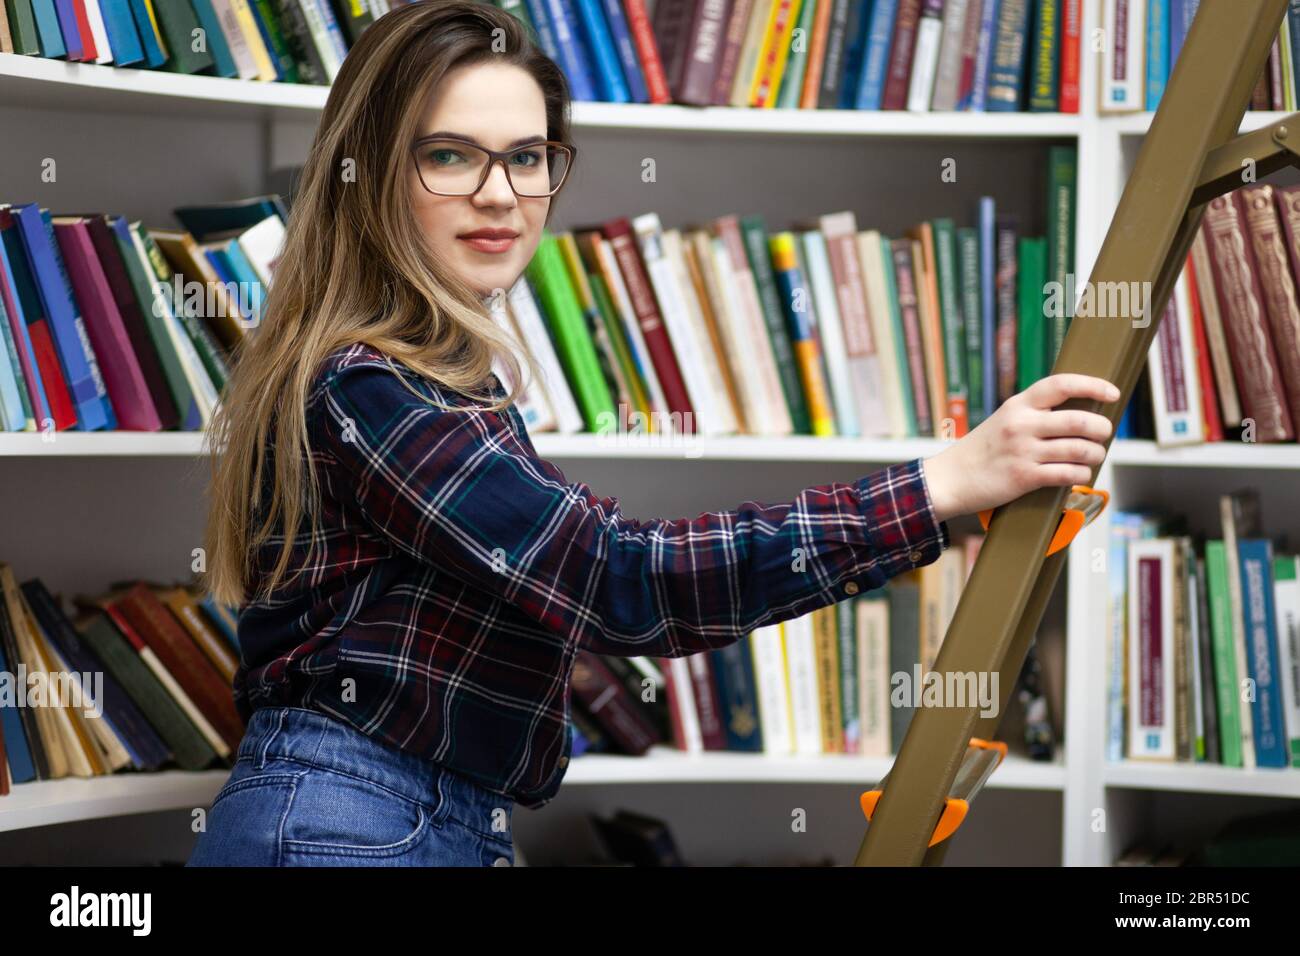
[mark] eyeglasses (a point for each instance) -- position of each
(457, 167)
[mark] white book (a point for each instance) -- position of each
(684, 701)
(872, 624)
(925, 62)
(1228, 523)
(737, 348)
(95, 17)
(1175, 381)
(240, 51)
(1286, 602)
(532, 404)
(1151, 649)
(742, 298)
(532, 331)
(261, 244)
(871, 254)
(677, 323)
(709, 357)
(801, 664)
(1123, 57)
(767, 646)
(320, 37)
(947, 80)
(831, 332)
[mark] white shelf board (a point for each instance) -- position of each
(1204, 778)
(1224, 454)
(75, 798)
(665, 765)
(1137, 124)
(39, 82)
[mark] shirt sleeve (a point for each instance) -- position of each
(456, 489)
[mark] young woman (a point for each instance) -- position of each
(407, 683)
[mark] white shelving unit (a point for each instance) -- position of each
(85, 509)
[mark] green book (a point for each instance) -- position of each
(796, 63)
(900, 341)
(178, 22)
(622, 354)
(1225, 655)
(22, 27)
(1062, 163)
(277, 46)
(1045, 57)
(851, 716)
(188, 746)
(754, 233)
(1032, 325)
(968, 266)
(564, 317)
(951, 321)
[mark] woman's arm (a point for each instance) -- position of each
(454, 489)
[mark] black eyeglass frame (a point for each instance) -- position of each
(495, 156)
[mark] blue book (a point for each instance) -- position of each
(733, 671)
(573, 56)
(76, 358)
(633, 74)
(542, 25)
(17, 754)
(221, 621)
(1008, 79)
(1181, 13)
(153, 51)
(1127, 427)
(871, 86)
(23, 339)
(988, 302)
(1158, 61)
(47, 29)
(123, 39)
(13, 417)
(857, 30)
(1293, 28)
(989, 19)
(238, 266)
(607, 69)
(332, 28)
(1256, 564)
(67, 15)
(222, 58)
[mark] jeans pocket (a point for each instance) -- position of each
(337, 818)
(242, 828)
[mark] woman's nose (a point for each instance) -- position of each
(496, 188)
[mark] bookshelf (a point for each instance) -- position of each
(92, 507)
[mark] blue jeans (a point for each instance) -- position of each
(309, 790)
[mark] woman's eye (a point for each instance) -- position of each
(528, 159)
(444, 156)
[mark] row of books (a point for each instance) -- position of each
(1204, 646)
(1145, 38)
(1226, 359)
(823, 329)
(919, 55)
(111, 325)
(845, 678)
(137, 678)
(292, 41)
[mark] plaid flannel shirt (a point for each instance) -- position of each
(457, 574)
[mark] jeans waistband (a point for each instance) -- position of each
(310, 737)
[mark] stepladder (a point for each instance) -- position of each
(1191, 157)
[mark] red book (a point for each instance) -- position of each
(647, 50)
(901, 49)
(89, 52)
(60, 410)
(1209, 395)
(622, 240)
(1071, 37)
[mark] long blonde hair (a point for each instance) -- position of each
(355, 268)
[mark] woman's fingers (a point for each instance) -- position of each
(1063, 423)
(1070, 451)
(1054, 389)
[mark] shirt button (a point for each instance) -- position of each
(916, 557)
(851, 587)
(564, 762)
(501, 861)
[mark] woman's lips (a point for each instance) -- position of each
(483, 244)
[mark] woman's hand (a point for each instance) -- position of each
(1024, 445)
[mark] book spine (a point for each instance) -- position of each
(1007, 277)
(925, 61)
(1044, 92)
(908, 308)
(1071, 50)
(870, 94)
(605, 66)
(902, 49)
(647, 51)
(1269, 244)
(947, 83)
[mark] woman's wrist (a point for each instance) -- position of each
(938, 485)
